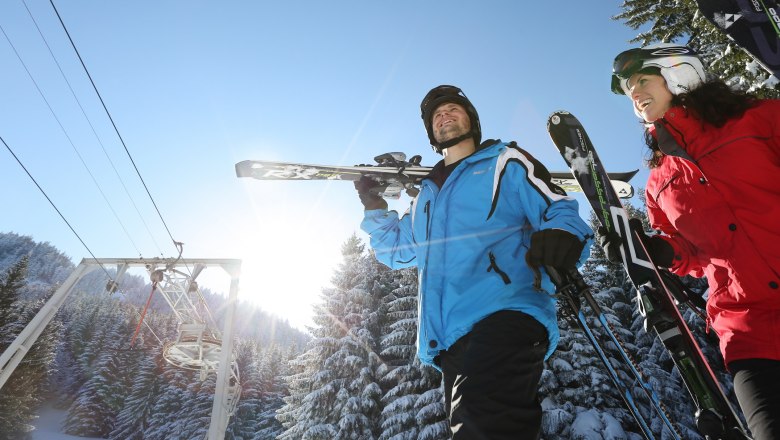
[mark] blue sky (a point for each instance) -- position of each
(196, 86)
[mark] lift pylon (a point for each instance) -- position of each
(198, 346)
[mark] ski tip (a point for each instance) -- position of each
(556, 117)
(559, 112)
(243, 168)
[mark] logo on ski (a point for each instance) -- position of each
(727, 19)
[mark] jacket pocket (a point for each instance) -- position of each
(666, 182)
(494, 268)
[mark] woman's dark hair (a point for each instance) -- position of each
(713, 102)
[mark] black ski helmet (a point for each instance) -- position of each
(449, 94)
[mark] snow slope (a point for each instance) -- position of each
(47, 427)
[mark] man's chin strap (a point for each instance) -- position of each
(454, 141)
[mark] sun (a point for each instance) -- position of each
(284, 274)
(287, 259)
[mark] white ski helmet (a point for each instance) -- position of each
(679, 65)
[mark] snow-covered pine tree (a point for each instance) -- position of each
(80, 320)
(679, 20)
(301, 368)
(93, 412)
(403, 377)
(196, 413)
(244, 422)
(133, 418)
(172, 397)
(272, 368)
(343, 401)
(24, 389)
(109, 366)
(262, 389)
(46, 266)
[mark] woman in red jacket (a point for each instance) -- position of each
(713, 192)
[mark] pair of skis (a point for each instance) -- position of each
(393, 173)
(715, 417)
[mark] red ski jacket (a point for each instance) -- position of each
(715, 194)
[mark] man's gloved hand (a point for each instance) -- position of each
(370, 200)
(554, 247)
(658, 249)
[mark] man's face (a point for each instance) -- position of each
(449, 121)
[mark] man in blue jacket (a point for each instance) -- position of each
(487, 218)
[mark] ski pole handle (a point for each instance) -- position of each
(555, 276)
(563, 277)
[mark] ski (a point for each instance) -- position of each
(754, 25)
(394, 173)
(715, 417)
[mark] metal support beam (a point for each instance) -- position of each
(15, 352)
(226, 393)
(225, 398)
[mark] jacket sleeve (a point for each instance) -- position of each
(390, 237)
(545, 204)
(686, 261)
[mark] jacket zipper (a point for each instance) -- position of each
(426, 210)
(424, 339)
(494, 267)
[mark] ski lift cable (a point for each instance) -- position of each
(92, 127)
(100, 97)
(8, 147)
(178, 245)
(108, 274)
(67, 136)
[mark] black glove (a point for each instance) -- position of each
(658, 249)
(554, 247)
(369, 199)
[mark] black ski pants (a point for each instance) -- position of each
(757, 386)
(491, 378)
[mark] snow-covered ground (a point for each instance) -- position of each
(47, 427)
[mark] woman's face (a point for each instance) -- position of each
(649, 95)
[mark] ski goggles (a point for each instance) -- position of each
(634, 60)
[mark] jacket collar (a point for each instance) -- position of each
(483, 150)
(677, 131)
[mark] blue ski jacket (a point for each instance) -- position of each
(469, 238)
